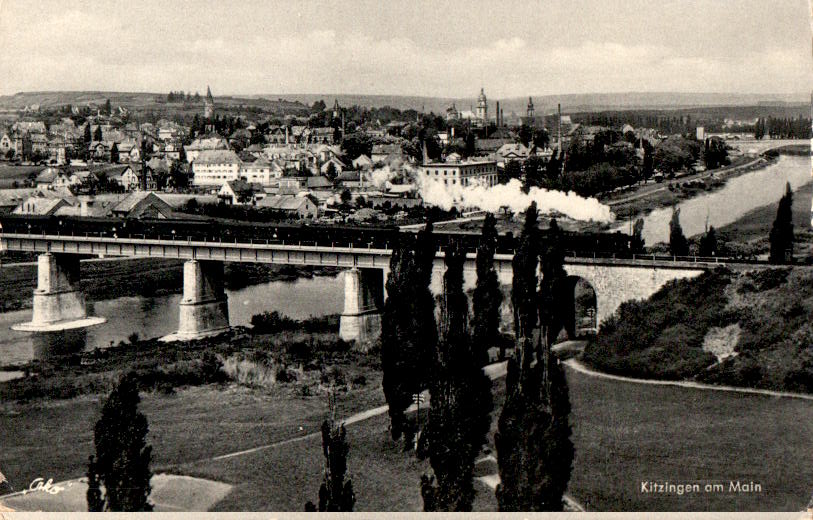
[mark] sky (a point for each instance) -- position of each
(422, 48)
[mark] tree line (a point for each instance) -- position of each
(783, 128)
(180, 97)
(533, 447)
(780, 238)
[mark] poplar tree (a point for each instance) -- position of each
(637, 240)
(408, 332)
(678, 245)
(552, 289)
(524, 281)
(487, 296)
(461, 401)
(708, 243)
(336, 492)
(781, 236)
(534, 450)
(122, 460)
(395, 362)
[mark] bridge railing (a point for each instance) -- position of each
(174, 237)
(652, 257)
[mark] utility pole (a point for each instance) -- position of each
(559, 126)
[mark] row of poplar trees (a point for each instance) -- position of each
(445, 353)
(780, 238)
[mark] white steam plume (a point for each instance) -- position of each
(493, 199)
(380, 176)
(511, 195)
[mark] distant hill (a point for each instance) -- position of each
(544, 104)
(137, 101)
(547, 104)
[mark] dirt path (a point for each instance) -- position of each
(578, 366)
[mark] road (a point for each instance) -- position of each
(578, 366)
(747, 147)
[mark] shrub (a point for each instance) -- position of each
(662, 337)
(271, 322)
(274, 322)
(285, 375)
(764, 280)
(249, 373)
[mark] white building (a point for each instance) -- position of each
(261, 171)
(483, 173)
(214, 167)
(205, 143)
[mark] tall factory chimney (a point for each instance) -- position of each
(497, 115)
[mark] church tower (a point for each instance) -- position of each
(208, 105)
(482, 108)
(530, 110)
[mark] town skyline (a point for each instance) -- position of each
(448, 51)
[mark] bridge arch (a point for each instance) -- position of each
(614, 284)
(580, 307)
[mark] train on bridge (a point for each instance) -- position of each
(207, 229)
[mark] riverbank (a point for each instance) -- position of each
(749, 234)
(669, 193)
(102, 280)
(293, 352)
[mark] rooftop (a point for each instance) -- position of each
(217, 157)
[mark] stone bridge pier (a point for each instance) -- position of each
(58, 302)
(363, 302)
(204, 307)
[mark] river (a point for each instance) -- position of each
(151, 317)
(739, 196)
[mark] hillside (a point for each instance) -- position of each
(139, 101)
(571, 103)
(740, 328)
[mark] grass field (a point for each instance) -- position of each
(623, 433)
(626, 432)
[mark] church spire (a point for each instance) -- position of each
(208, 104)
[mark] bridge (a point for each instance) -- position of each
(58, 303)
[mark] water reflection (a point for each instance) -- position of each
(50, 346)
(151, 317)
(739, 196)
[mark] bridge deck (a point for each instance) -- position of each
(301, 254)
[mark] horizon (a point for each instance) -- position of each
(446, 51)
(806, 95)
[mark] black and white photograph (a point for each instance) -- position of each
(363, 256)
